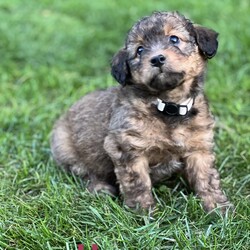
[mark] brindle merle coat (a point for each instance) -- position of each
(119, 141)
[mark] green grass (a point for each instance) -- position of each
(53, 52)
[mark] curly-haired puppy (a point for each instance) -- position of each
(155, 124)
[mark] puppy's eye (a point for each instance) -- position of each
(174, 40)
(139, 50)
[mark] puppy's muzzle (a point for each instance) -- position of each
(158, 61)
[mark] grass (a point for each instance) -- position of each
(53, 52)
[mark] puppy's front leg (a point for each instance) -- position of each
(205, 180)
(132, 174)
(135, 183)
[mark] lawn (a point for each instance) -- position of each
(54, 52)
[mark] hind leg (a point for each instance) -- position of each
(100, 178)
(103, 185)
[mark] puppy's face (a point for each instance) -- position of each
(163, 51)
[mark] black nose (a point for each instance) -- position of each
(158, 61)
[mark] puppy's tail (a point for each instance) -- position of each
(62, 148)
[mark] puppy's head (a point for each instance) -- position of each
(163, 51)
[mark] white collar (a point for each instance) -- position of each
(171, 108)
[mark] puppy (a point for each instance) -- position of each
(156, 123)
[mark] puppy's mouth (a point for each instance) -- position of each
(164, 80)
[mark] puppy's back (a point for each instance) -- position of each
(78, 136)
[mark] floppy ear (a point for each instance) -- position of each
(119, 67)
(207, 41)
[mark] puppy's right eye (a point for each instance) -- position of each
(139, 50)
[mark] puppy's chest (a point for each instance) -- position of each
(165, 142)
(163, 136)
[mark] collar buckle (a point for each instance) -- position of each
(171, 108)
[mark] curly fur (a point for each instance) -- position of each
(120, 142)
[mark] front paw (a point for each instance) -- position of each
(218, 201)
(143, 201)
